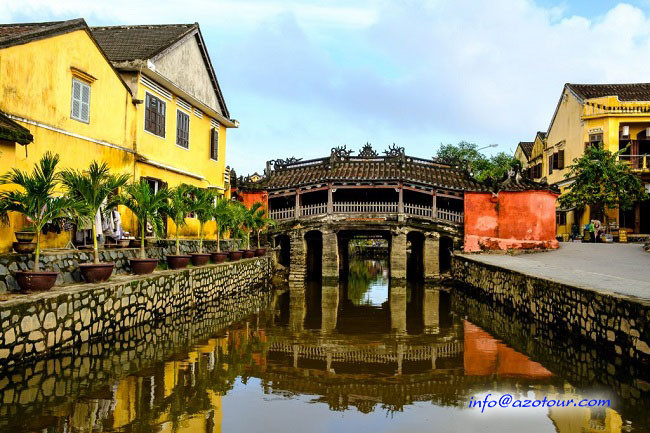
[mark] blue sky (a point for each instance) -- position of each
(304, 76)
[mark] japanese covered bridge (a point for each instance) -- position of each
(320, 204)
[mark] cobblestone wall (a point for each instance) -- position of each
(31, 326)
(617, 324)
(89, 368)
(67, 262)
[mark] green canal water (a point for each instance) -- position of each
(361, 357)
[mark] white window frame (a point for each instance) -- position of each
(82, 84)
(189, 115)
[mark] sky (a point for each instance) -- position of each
(304, 76)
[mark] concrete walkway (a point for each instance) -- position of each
(617, 268)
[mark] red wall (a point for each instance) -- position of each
(509, 220)
(251, 197)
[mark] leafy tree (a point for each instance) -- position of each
(177, 208)
(202, 205)
(36, 198)
(222, 212)
(147, 206)
(236, 217)
(249, 223)
(261, 222)
(91, 190)
(481, 167)
(602, 181)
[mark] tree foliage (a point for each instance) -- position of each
(177, 207)
(36, 197)
(481, 167)
(602, 181)
(147, 206)
(93, 189)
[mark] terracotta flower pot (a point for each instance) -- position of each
(96, 272)
(24, 236)
(35, 281)
(177, 262)
(200, 259)
(143, 266)
(234, 255)
(248, 254)
(218, 257)
(24, 247)
(260, 252)
(123, 243)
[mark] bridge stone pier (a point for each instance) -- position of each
(414, 204)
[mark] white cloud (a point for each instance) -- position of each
(305, 76)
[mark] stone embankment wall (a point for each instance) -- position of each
(67, 262)
(564, 354)
(615, 323)
(90, 367)
(35, 325)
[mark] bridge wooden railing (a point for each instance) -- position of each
(413, 210)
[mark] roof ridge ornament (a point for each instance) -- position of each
(340, 153)
(394, 151)
(282, 163)
(367, 152)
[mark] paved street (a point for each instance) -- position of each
(618, 268)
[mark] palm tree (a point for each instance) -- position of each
(222, 214)
(236, 218)
(249, 221)
(146, 206)
(177, 208)
(36, 199)
(91, 190)
(260, 223)
(202, 206)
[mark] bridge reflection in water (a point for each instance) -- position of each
(363, 348)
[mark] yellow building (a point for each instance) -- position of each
(616, 115)
(145, 99)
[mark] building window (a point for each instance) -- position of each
(80, 109)
(560, 218)
(214, 144)
(154, 115)
(595, 139)
(550, 164)
(182, 129)
(560, 164)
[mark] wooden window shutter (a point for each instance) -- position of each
(560, 163)
(550, 164)
(214, 144)
(556, 161)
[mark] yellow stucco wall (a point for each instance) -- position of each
(574, 121)
(115, 132)
(44, 102)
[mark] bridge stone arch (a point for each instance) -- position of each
(394, 193)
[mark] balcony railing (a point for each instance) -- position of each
(636, 162)
(413, 210)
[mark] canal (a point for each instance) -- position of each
(362, 356)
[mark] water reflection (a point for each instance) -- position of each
(320, 359)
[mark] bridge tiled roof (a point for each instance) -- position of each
(375, 170)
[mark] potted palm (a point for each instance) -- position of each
(221, 213)
(147, 207)
(202, 205)
(177, 208)
(36, 200)
(261, 223)
(249, 223)
(235, 222)
(92, 190)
